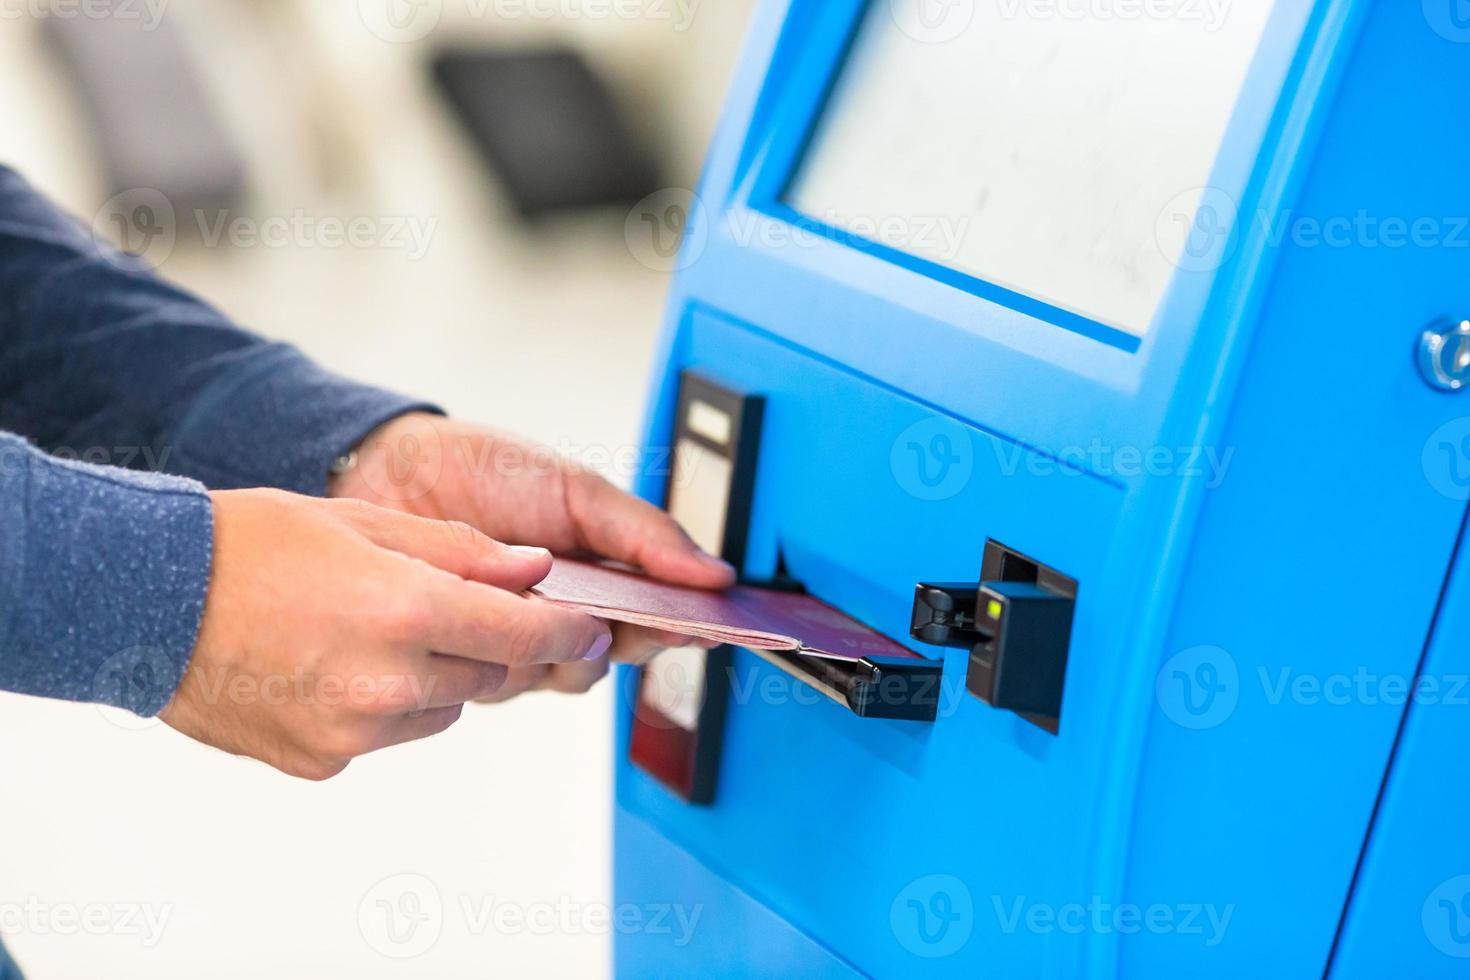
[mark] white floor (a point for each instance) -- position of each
(132, 852)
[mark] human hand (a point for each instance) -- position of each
(333, 628)
(519, 492)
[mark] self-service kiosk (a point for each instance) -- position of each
(1112, 357)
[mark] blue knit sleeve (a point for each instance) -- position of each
(103, 570)
(101, 360)
(103, 574)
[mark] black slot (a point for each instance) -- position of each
(1017, 624)
(874, 687)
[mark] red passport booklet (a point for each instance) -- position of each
(758, 619)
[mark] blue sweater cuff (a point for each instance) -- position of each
(275, 419)
(103, 574)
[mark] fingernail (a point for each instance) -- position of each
(530, 551)
(714, 562)
(600, 646)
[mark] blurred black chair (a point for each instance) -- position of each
(549, 130)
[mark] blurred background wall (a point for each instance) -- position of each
(324, 190)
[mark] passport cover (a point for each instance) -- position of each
(744, 616)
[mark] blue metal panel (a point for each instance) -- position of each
(1410, 912)
(701, 918)
(1167, 829)
(863, 310)
(1321, 557)
(827, 816)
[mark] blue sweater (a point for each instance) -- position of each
(104, 568)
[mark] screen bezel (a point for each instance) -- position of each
(785, 169)
(1037, 383)
(809, 90)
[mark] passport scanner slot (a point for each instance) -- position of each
(894, 688)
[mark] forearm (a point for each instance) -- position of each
(100, 359)
(103, 576)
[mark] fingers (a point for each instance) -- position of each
(577, 678)
(520, 680)
(481, 622)
(423, 724)
(447, 681)
(635, 644)
(572, 678)
(469, 604)
(327, 754)
(631, 645)
(620, 526)
(451, 545)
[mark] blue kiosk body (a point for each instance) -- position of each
(1245, 465)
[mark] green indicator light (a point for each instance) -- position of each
(993, 610)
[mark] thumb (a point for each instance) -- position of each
(622, 527)
(453, 546)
